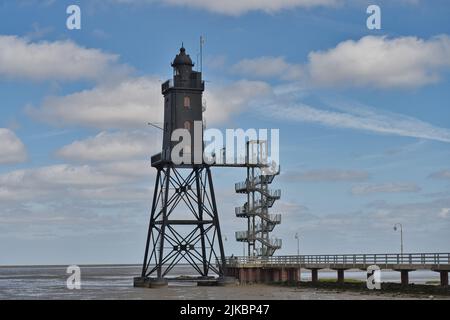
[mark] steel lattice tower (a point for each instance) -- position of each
(184, 223)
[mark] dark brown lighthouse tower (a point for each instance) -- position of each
(184, 223)
(183, 106)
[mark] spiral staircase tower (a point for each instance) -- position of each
(260, 198)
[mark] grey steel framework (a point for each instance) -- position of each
(259, 199)
(200, 244)
(410, 261)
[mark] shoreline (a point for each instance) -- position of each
(352, 285)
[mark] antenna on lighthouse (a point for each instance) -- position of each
(155, 126)
(202, 42)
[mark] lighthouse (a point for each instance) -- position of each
(183, 109)
(184, 222)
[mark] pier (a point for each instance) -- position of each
(288, 268)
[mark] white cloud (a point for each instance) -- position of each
(360, 117)
(134, 102)
(366, 189)
(53, 181)
(382, 62)
(113, 146)
(136, 170)
(59, 60)
(268, 67)
(443, 174)
(224, 101)
(326, 175)
(372, 61)
(131, 103)
(444, 213)
(59, 175)
(12, 150)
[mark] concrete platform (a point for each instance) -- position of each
(208, 283)
(227, 281)
(142, 282)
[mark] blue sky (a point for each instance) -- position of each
(363, 116)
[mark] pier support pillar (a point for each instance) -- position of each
(314, 275)
(404, 277)
(251, 275)
(258, 275)
(235, 272)
(288, 275)
(242, 275)
(444, 278)
(291, 275)
(284, 275)
(268, 276)
(295, 275)
(340, 275)
(264, 274)
(275, 275)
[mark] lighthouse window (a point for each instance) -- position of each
(187, 125)
(187, 102)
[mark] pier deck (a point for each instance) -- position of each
(287, 268)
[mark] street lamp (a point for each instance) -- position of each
(401, 236)
(298, 243)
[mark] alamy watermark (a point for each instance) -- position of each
(374, 20)
(374, 277)
(236, 147)
(73, 22)
(74, 280)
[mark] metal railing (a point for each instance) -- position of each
(241, 211)
(273, 218)
(435, 259)
(276, 243)
(167, 85)
(241, 235)
(241, 185)
(258, 204)
(275, 193)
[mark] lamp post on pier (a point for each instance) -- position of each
(297, 236)
(401, 236)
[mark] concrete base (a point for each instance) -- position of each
(227, 281)
(142, 282)
(208, 283)
(262, 275)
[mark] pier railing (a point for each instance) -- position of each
(389, 259)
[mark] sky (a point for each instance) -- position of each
(363, 114)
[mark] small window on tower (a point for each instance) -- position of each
(187, 102)
(187, 125)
